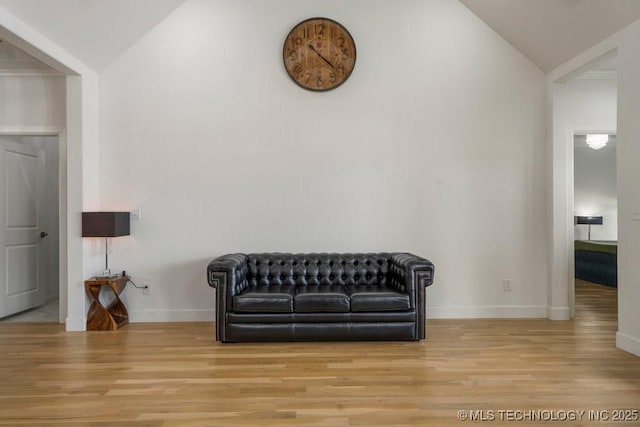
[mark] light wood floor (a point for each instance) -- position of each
(176, 375)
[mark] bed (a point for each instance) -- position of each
(597, 261)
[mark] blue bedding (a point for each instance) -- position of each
(597, 261)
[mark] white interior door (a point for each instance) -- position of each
(21, 184)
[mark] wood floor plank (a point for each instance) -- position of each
(175, 374)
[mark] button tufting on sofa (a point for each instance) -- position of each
(305, 297)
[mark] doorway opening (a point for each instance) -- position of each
(591, 125)
(596, 230)
(36, 290)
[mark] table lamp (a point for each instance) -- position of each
(590, 220)
(107, 225)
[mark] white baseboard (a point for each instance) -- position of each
(433, 312)
(628, 344)
(498, 311)
(203, 315)
(75, 324)
(558, 313)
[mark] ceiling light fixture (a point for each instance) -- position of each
(597, 141)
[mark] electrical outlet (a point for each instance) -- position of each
(146, 289)
(506, 285)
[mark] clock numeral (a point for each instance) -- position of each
(319, 29)
(343, 48)
(297, 41)
(309, 75)
(305, 33)
(297, 69)
(332, 77)
(320, 82)
(293, 56)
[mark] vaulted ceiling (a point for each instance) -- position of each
(551, 32)
(548, 32)
(94, 31)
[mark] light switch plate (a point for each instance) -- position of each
(136, 214)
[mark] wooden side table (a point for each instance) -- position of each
(113, 316)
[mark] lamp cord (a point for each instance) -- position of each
(136, 286)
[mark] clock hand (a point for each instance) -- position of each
(320, 55)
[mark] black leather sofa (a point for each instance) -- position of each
(320, 297)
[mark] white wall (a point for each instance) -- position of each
(592, 103)
(32, 102)
(434, 146)
(628, 337)
(595, 191)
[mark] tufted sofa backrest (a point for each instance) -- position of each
(282, 269)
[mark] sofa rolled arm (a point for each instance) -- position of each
(411, 270)
(228, 275)
(412, 274)
(230, 268)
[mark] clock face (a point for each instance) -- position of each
(319, 54)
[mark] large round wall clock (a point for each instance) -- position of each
(319, 54)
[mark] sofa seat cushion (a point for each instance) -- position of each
(321, 298)
(265, 299)
(371, 298)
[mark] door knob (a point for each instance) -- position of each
(43, 234)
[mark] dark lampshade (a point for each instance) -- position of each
(105, 224)
(594, 220)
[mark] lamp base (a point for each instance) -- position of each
(106, 274)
